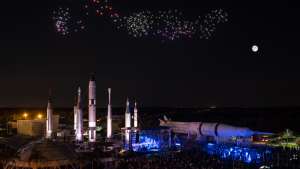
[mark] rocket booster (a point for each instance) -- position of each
(135, 116)
(92, 109)
(127, 121)
(127, 115)
(207, 129)
(79, 116)
(109, 125)
(75, 113)
(49, 125)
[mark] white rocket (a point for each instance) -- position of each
(127, 122)
(206, 129)
(75, 114)
(92, 109)
(109, 127)
(127, 115)
(49, 124)
(79, 116)
(135, 115)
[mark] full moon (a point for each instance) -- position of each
(254, 48)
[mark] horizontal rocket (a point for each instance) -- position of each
(206, 129)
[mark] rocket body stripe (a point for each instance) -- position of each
(92, 110)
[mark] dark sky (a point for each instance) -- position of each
(220, 71)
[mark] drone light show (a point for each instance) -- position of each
(163, 25)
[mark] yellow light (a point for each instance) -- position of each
(25, 115)
(40, 116)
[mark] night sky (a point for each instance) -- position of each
(221, 71)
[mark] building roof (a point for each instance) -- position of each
(45, 150)
(43, 153)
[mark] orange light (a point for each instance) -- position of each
(25, 115)
(40, 116)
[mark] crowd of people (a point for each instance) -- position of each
(196, 159)
(180, 160)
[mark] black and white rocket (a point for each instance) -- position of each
(109, 125)
(75, 113)
(127, 122)
(79, 116)
(49, 123)
(92, 109)
(135, 116)
(127, 115)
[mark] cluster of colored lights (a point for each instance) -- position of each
(208, 25)
(64, 23)
(163, 25)
(146, 144)
(170, 25)
(61, 19)
(245, 154)
(98, 8)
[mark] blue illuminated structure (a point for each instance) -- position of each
(161, 139)
(150, 140)
(234, 152)
(147, 144)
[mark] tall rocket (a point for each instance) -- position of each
(79, 116)
(49, 125)
(109, 127)
(127, 122)
(75, 113)
(135, 115)
(92, 109)
(127, 115)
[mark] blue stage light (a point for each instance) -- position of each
(177, 144)
(248, 155)
(146, 144)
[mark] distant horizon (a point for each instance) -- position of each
(167, 107)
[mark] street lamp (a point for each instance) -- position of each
(39, 116)
(25, 115)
